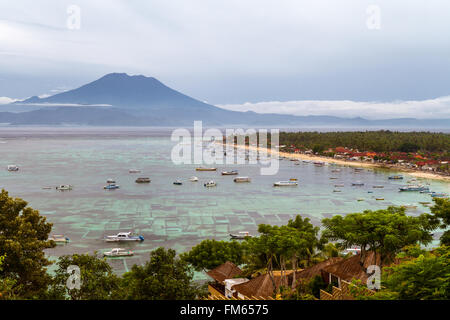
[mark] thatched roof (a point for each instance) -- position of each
(315, 270)
(351, 268)
(261, 286)
(227, 270)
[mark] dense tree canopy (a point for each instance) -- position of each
(209, 254)
(441, 211)
(23, 237)
(378, 141)
(97, 281)
(163, 277)
(385, 232)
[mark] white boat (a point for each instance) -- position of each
(210, 183)
(13, 167)
(123, 236)
(64, 187)
(118, 252)
(241, 235)
(59, 238)
(111, 186)
(230, 173)
(241, 179)
(134, 171)
(193, 179)
(110, 180)
(285, 184)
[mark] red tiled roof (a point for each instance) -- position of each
(227, 270)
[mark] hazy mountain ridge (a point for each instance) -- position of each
(145, 101)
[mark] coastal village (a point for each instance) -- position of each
(437, 163)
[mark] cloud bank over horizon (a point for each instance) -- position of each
(419, 109)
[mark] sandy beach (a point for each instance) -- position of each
(299, 156)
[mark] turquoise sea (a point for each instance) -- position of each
(165, 214)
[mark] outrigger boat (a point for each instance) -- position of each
(414, 188)
(230, 173)
(210, 183)
(118, 252)
(64, 187)
(111, 186)
(241, 179)
(285, 184)
(13, 167)
(59, 238)
(205, 169)
(143, 180)
(123, 236)
(242, 235)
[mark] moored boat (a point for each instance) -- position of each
(205, 169)
(123, 236)
(143, 180)
(193, 179)
(241, 235)
(177, 182)
(64, 187)
(134, 171)
(118, 252)
(357, 183)
(210, 183)
(438, 195)
(414, 188)
(230, 173)
(339, 185)
(395, 177)
(241, 179)
(111, 186)
(110, 180)
(12, 167)
(378, 186)
(59, 238)
(285, 184)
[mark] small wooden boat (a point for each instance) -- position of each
(64, 187)
(336, 170)
(241, 235)
(379, 198)
(110, 180)
(177, 182)
(409, 206)
(143, 180)
(358, 183)
(424, 202)
(293, 179)
(230, 173)
(210, 183)
(241, 179)
(395, 177)
(285, 184)
(118, 252)
(333, 178)
(59, 239)
(193, 179)
(205, 169)
(337, 190)
(339, 185)
(359, 169)
(378, 186)
(111, 186)
(134, 171)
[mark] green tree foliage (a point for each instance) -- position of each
(164, 277)
(97, 281)
(210, 254)
(23, 237)
(426, 277)
(385, 232)
(441, 211)
(378, 141)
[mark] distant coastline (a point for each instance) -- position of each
(299, 156)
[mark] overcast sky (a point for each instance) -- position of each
(266, 56)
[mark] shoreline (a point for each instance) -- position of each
(300, 156)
